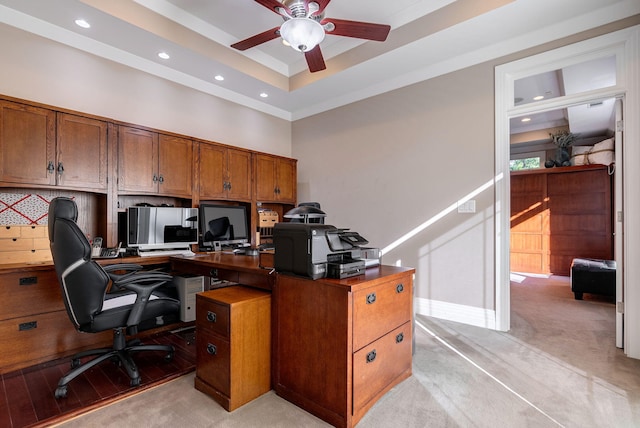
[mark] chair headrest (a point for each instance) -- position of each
(61, 208)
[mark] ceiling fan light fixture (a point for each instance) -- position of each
(303, 34)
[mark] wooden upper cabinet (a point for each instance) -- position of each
(175, 166)
(275, 179)
(224, 173)
(82, 152)
(27, 144)
(137, 160)
(154, 163)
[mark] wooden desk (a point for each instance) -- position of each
(241, 269)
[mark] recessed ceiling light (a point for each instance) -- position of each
(164, 55)
(526, 119)
(219, 78)
(82, 23)
(264, 95)
(538, 98)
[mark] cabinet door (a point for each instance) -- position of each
(239, 173)
(212, 166)
(137, 160)
(286, 180)
(175, 166)
(27, 132)
(82, 152)
(265, 178)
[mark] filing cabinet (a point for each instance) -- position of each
(233, 344)
(351, 338)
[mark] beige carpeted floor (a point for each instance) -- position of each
(558, 366)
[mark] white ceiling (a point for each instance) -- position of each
(428, 38)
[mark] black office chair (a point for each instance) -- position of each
(91, 309)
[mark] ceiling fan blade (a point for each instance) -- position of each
(322, 4)
(273, 5)
(315, 61)
(257, 39)
(359, 30)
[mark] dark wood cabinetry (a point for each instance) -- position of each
(559, 214)
(225, 173)
(152, 163)
(275, 179)
(352, 341)
(41, 147)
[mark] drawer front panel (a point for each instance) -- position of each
(35, 339)
(376, 366)
(378, 310)
(28, 292)
(212, 316)
(213, 361)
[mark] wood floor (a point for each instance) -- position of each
(27, 395)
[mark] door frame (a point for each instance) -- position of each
(625, 46)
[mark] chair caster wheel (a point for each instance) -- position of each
(61, 392)
(135, 382)
(75, 363)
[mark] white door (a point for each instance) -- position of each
(618, 226)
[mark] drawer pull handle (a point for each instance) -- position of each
(371, 356)
(28, 326)
(211, 349)
(28, 280)
(399, 288)
(211, 316)
(371, 298)
(400, 338)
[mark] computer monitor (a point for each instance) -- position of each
(226, 225)
(161, 228)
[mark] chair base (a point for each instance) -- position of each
(120, 353)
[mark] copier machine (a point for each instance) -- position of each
(320, 250)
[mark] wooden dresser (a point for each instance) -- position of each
(340, 345)
(233, 340)
(559, 214)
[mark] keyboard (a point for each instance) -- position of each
(160, 253)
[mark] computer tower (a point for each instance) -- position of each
(187, 287)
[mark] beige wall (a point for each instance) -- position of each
(37, 69)
(385, 165)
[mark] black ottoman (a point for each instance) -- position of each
(593, 276)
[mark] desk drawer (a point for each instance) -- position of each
(378, 310)
(30, 340)
(212, 316)
(213, 359)
(377, 366)
(28, 292)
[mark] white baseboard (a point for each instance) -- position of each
(471, 315)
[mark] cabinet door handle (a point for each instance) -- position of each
(161, 179)
(155, 178)
(50, 167)
(371, 356)
(371, 298)
(211, 349)
(399, 288)
(60, 168)
(399, 337)
(211, 316)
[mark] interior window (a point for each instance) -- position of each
(526, 163)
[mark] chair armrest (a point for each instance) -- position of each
(143, 284)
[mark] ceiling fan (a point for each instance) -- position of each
(305, 26)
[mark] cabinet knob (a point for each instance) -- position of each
(399, 288)
(211, 316)
(371, 356)
(400, 338)
(211, 349)
(371, 298)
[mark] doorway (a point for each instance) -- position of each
(623, 47)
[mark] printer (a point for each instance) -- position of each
(317, 250)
